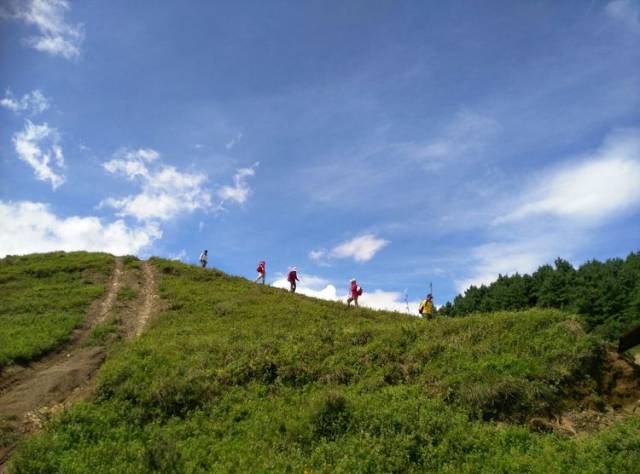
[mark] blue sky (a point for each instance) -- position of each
(398, 143)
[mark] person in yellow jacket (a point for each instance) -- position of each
(426, 307)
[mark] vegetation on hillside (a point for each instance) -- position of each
(43, 297)
(238, 377)
(606, 295)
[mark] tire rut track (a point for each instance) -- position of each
(50, 385)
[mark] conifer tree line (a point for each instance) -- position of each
(606, 294)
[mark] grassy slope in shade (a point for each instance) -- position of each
(236, 377)
(43, 297)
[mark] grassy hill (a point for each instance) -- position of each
(237, 377)
(43, 297)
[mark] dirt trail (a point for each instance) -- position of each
(149, 296)
(32, 394)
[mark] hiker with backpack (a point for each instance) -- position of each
(262, 270)
(292, 278)
(356, 291)
(204, 256)
(426, 307)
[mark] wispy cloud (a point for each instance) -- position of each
(33, 103)
(503, 257)
(591, 189)
(468, 133)
(32, 227)
(239, 192)
(237, 138)
(39, 147)
(165, 191)
(361, 249)
(626, 13)
(55, 35)
(558, 212)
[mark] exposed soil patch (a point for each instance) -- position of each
(31, 395)
(617, 396)
(134, 311)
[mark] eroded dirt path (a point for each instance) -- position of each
(149, 296)
(30, 395)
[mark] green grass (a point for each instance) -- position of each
(237, 377)
(43, 297)
(103, 333)
(126, 293)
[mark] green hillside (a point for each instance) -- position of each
(237, 377)
(43, 297)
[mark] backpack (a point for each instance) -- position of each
(360, 291)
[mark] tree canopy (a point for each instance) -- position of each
(606, 294)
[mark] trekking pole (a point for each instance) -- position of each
(432, 300)
(406, 300)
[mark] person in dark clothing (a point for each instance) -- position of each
(293, 278)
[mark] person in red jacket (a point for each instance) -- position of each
(356, 291)
(292, 278)
(262, 270)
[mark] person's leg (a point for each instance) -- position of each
(355, 301)
(258, 278)
(349, 300)
(263, 278)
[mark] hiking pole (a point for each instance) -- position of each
(431, 293)
(406, 300)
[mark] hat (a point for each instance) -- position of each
(294, 269)
(353, 279)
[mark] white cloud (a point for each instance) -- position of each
(166, 192)
(33, 102)
(39, 147)
(180, 256)
(55, 35)
(468, 133)
(389, 301)
(240, 190)
(602, 184)
(318, 254)
(29, 227)
(509, 257)
(319, 287)
(234, 141)
(626, 12)
(360, 249)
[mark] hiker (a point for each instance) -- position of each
(292, 278)
(356, 291)
(204, 256)
(426, 307)
(262, 270)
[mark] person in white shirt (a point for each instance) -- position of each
(204, 256)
